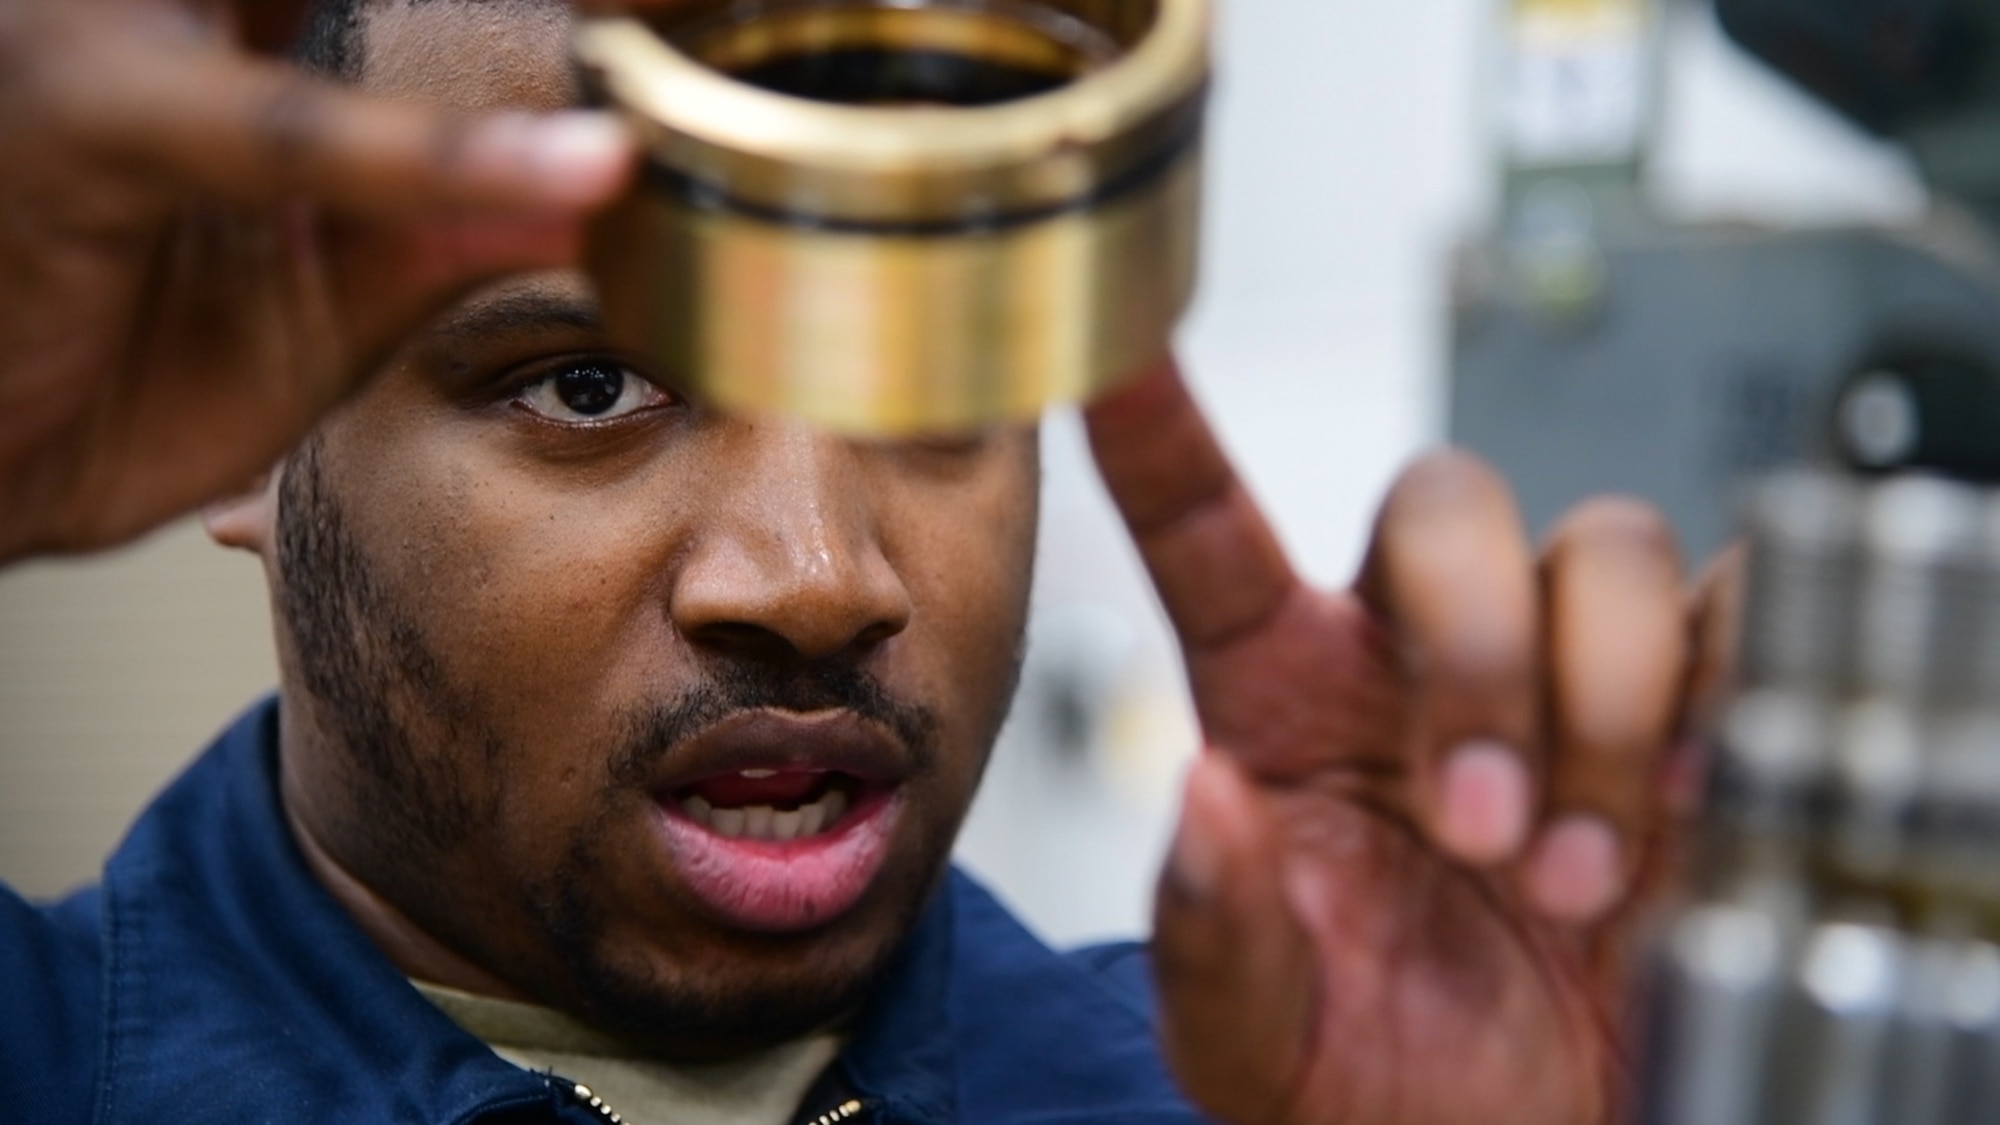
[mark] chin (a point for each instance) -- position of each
(731, 1012)
(697, 986)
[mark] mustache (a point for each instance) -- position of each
(733, 687)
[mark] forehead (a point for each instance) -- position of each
(470, 54)
(479, 55)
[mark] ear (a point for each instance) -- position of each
(247, 520)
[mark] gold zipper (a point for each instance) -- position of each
(589, 1097)
(839, 1113)
(582, 1093)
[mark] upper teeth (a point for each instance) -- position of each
(765, 822)
(757, 775)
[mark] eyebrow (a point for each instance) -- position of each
(512, 313)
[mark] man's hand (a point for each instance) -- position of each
(202, 250)
(1406, 870)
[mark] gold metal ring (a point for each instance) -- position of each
(903, 216)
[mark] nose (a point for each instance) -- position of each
(790, 562)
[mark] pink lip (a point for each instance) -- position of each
(783, 886)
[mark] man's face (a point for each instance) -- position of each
(657, 716)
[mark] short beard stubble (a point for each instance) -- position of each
(415, 751)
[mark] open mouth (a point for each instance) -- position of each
(770, 805)
(781, 822)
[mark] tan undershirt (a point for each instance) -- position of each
(763, 1089)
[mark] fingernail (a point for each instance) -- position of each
(1194, 866)
(574, 157)
(583, 152)
(1484, 802)
(1577, 872)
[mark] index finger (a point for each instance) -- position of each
(1213, 557)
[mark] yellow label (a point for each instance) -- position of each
(1580, 10)
(1558, 23)
(1578, 81)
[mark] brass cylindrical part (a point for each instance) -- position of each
(903, 216)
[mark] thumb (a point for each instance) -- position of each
(1235, 966)
(260, 132)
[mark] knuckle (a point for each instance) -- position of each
(1450, 474)
(1482, 671)
(1622, 522)
(1452, 492)
(1614, 752)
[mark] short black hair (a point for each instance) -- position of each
(331, 43)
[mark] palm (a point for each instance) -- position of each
(1441, 1003)
(216, 357)
(1332, 945)
(1441, 998)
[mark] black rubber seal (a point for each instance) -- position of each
(885, 77)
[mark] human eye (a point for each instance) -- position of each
(593, 391)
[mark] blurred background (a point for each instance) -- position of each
(1592, 238)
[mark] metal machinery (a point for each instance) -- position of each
(1597, 347)
(1838, 960)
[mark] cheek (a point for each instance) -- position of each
(542, 605)
(968, 558)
